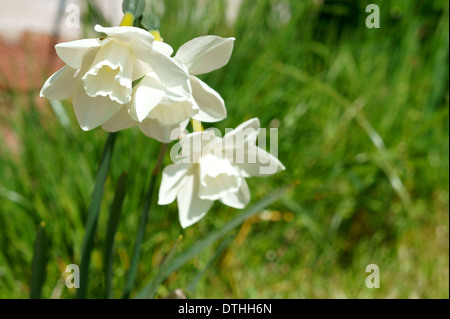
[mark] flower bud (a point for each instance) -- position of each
(136, 7)
(150, 22)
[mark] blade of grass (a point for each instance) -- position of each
(150, 290)
(223, 245)
(39, 262)
(132, 273)
(16, 198)
(94, 209)
(211, 238)
(362, 121)
(113, 223)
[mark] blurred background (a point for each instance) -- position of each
(363, 119)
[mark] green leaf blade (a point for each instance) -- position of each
(94, 210)
(39, 263)
(113, 224)
(182, 259)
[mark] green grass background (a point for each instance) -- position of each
(363, 118)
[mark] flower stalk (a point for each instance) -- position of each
(197, 126)
(127, 20)
(132, 273)
(157, 35)
(93, 213)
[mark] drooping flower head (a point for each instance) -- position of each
(212, 168)
(99, 73)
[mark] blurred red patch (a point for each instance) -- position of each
(26, 64)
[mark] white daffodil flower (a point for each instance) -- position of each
(203, 55)
(213, 169)
(100, 72)
(157, 110)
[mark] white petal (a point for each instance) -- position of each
(60, 85)
(142, 57)
(210, 103)
(140, 68)
(163, 47)
(206, 54)
(175, 106)
(258, 162)
(127, 35)
(111, 73)
(171, 177)
(198, 144)
(72, 53)
(93, 111)
(239, 199)
(190, 207)
(153, 129)
(240, 147)
(173, 113)
(249, 127)
(147, 94)
(217, 177)
(120, 121)
(252, 123)
(237, 139)
(168, 70)
(180, 93)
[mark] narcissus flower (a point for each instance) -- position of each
(213, 169)
(157, 110)
(100, 72)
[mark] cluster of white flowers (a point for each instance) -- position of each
(129, 79)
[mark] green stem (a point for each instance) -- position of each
(40, 258)
(132, 273)
(113, 224)
(94, 210)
